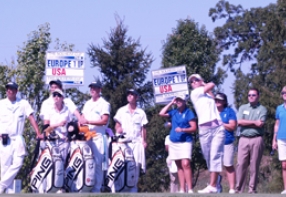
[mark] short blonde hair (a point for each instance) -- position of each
(283, 89)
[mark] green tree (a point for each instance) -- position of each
(123, 64)
(194, 47)
(257, 35)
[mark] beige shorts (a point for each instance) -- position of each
(281, 150)
(228, 155)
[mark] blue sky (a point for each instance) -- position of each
(89, 21)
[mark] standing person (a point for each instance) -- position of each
(211, 129)
(229, 120)
(132, 120)
(173, 170)
(13, 114)
(95, 114)
(58, 116)
(49, 102)
(251, 118)
(279, 136)
(180, 146)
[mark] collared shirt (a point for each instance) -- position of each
(49, 103)
(131, 123)
(248, 112)
(13, 116)
(94, 110)
(281, 116)
(226, 115)
(181, 119)
(55, 117)
(204, 105)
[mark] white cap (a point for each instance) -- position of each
(197, 76)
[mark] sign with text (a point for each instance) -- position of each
(169, 82)
(66, 66)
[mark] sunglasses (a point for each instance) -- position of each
(282, 93)
(195, 80)
(57, 94)
(252, 95)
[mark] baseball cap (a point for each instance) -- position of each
(182, 96)
(96, 84)
(221, 96)
(132, 91)
(59, 91)
(57, 82)
(197, 76)
(12, 85)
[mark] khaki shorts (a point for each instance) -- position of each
(228, 155)
(281, 150)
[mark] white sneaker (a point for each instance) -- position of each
(283, 192)
(181, 191)
(209, 189)
(190, 191)
(232, 191)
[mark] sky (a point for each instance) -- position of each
(82, 22)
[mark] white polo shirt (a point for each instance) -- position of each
(204, 105)
(56, 117)
(13, 116)
(93, 110)
(49, 103)
(131, 123)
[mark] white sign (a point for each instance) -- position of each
(169, 82)
(66, 66)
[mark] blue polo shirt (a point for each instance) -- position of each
(281, 116)
(226, 115)
(181, 120)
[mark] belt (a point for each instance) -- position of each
(253, 136)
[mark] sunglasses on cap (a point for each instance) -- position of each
(57, 94)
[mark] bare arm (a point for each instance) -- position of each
(274, 140)
(208, 87)
(118, 128)
(144, 136)
(250, 123)
(191, 129)
(231, 126)
(35, 126)
(163, 112)
(100, 122)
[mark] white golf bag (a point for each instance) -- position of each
(48, 174)
(80, 171)
(122, 170)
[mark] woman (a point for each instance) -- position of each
(57, 118)
(211, 130)
(180, 145)
(279, 136)
(229, 120)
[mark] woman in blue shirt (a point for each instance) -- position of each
(229, 120)
(180, 147)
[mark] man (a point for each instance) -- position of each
(13, 113)
(132, 120)
(251, 118)
(48, 104)
(96, 113)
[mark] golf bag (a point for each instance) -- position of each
(122, 170)
(48, 173)
(80, 170)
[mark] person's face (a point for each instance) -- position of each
(283, 94)
(132, 98)
(180, 103)
(53, 87)
(219, 103)
(58, 98)
(11, 93)
(95, 92)
(253, 97)
(195, 82)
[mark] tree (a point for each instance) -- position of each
(194, 47)
(257, 35)
(123, 65)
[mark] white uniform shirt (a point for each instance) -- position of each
(93, 110)
(204, 105)
(49, 103)
(13, 116)
(131, 123)
(56, 117)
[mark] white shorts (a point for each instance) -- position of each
(228, 155)
(180, 150)
(281, 150)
